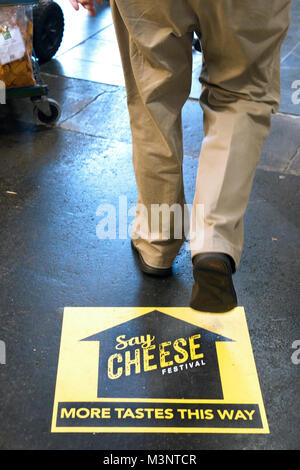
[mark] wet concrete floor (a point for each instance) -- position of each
(53, 180)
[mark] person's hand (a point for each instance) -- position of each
(87, 4)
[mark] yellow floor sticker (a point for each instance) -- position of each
(137, 369)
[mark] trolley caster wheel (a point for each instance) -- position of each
(48, 29)
(46, 111)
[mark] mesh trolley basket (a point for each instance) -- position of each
(19, 70)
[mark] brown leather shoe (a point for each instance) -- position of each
(151, 270)
(213, 290)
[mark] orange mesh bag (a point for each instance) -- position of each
(16, 30)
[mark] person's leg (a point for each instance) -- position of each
(241, 43)
(155, 41)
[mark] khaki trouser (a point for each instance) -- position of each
(241, 42)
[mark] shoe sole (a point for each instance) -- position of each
(213, 290)
(145, 268)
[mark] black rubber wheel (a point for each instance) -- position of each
(48, 29)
